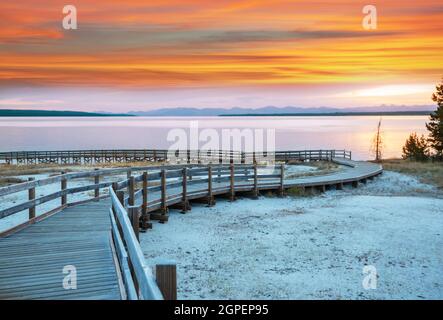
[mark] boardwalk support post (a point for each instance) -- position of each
(31, 196)
(146, 224)
(166, 278)
(97, 189)
(64, 185)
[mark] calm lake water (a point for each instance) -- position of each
(351, 132)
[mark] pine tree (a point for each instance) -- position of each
(416, 148)
(435, 126)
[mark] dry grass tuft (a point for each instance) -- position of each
(18, 170)
(297, 192)
(426, 172)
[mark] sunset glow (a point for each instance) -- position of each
(134, 54)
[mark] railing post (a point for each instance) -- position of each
(185, 190)
(255, 181)
(210, 196)
(231, 187)
(282, 177)
(131, 190)
(146, 224)
(64, 185)
(97, 189)
(145, 194)
(31, 196)
(164, 207)
(128, 174)
(134, 218)
(121, 197)
(166, 278)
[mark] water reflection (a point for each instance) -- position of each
(352, 132)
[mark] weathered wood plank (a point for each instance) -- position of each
(32, 260)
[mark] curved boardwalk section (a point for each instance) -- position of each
(32, 261)
(100, 238)
(352, 172)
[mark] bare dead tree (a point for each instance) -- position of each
(377, 143)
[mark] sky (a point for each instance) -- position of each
(144, 55)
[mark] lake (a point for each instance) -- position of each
(324, 132)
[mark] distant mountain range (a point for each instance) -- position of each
(56, 113)
(211, 112)
(206, 112)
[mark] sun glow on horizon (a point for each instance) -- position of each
(391, 90)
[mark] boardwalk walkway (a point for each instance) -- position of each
(32, 261)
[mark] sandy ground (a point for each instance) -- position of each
(309, 247)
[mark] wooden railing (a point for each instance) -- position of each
(63, 181)
(137, 275)
(144, 194)
(150, 155)
(177, 185)
(104, 178)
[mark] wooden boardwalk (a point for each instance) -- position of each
(85, 236)
(32, 261)
(149, 155)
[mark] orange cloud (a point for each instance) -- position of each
(134, 43)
